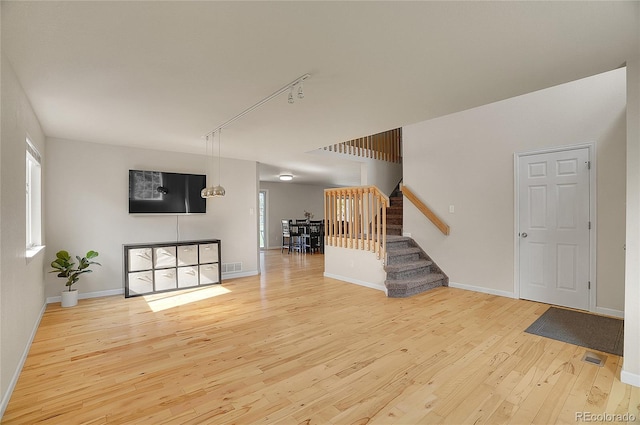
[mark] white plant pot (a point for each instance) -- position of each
(69, 298)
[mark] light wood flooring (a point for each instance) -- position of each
(293, 347)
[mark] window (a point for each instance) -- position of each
(33, 197)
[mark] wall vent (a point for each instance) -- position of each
(231, 267)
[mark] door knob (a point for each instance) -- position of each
(524, 235)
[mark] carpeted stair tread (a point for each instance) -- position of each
(411, 265)
(403, 251)
(398, 239)
(415, 282)
(394, 229)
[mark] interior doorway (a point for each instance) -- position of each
(555, 228)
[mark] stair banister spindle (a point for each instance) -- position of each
(347, 221)
(342, 218)
(365, 218)
(329, 227)
(361, 228)
(354, 212)
(336, 213)
(360, 215)
(334, 217)
(370, 218)
(384, 227)
(353, 218)
(347, 211)
(356, 220)
(377, 249)
(326, 219)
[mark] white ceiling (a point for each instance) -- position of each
(162, 74)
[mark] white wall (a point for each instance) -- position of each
(87, 203)
(21, 283)
(466, 160)
(289, 201)
(631, 363)
(382, 174)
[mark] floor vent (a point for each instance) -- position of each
(231, 267)
(595, 359)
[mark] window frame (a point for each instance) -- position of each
(33, 199)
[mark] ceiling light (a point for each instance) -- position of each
(286, 177)
(300, 91)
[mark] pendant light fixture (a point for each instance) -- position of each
(218, 190)
(207, 192)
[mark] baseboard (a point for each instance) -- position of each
(629, 378)
(610, 312)
(379, 287)
(85, 295)
(14, 379)
(482, 289)
(237, 275)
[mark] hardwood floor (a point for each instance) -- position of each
(293, 347)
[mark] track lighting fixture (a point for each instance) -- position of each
(210, 192)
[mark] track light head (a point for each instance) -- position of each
(300, 91)
(291, 95)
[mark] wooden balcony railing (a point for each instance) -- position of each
(356, 218)
(385, 146)
(407, 193)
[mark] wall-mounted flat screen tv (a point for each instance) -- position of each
(159, 192)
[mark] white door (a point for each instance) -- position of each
(554, 227)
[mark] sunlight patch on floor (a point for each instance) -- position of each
(160, 302)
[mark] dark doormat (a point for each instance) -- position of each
(583, 329)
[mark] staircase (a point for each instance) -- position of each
(409, 269)
(394, 213)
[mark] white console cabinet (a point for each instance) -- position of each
(160, 267)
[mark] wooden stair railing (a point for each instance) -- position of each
(385, 146)
(356, 218)
(407, 193)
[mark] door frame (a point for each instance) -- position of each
(591, 146)
(266, 219)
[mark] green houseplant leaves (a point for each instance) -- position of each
(64, 267)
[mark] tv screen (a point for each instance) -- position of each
(158, 192)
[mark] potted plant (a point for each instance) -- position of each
(67, 270)
(308, 216)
